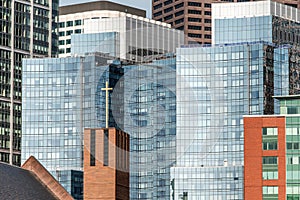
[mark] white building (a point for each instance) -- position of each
(72, 18)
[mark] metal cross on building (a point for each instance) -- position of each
(106, 102)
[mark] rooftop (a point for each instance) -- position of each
(254, 9)
(100, 5)
(18, 183)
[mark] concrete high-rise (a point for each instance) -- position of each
(27, 30)
(72, 19)
(193, 16)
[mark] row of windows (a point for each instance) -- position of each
(70, 23)
(195, 4)
(70, 32)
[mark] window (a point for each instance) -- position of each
(168, 2)
(207, 36)
(270, 131)
(92, 148)
(157, 14)
(61, 24)
(179, 21)
(207, 5)
(180, 28)
(78, 22)
(157, 6)
(62, 33)
(106, 148)
(207, 28)
(270, 167)
(192, 19)
(69, 32)
(179, 5)
(207, 20)
(168, 10)
(78, 31)
(269, 138)
(194, 4)
(179, 13)
(69, 23)
(194, 27)
(270, 192)
(196, 12)
(168, 17)
(61, 42)
(194, 35)
(207, 13)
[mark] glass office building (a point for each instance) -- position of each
(266, 21)
(150, 113)
(216, 87)
(26, 30)
(61, 96)
(254, 57)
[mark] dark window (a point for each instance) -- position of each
(179, 5)
(179, 13)
(194, 4)
(168, 2)
(207, 36)
(93, 148)
(196, 12)
(69, 23)
(68, 41)
(194, 35)
(207, 28)
(78, 31)
(207, 5)
(68, 50)
(168, 9)
(168, 17)
(157, 6)
(180, 28)
(157, 14)
(62, 33)
(61, 42)
(192, 19)
(194, 27)
(106, 146)
(77, 22)
(179, 21)
(61, 24)
(207, 20)
(69, 32)
(207, 13)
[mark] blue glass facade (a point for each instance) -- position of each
(107, 43)
(150, 118)
(236, 30)
(60, 98)
(215, 87)
(270, 29)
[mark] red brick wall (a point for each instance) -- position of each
(253, 154)
(112, 181)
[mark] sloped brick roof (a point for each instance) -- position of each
(20, 184)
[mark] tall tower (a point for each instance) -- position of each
(28, 29)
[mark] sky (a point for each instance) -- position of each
(142, 4)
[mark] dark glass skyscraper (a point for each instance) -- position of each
(28, 29)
